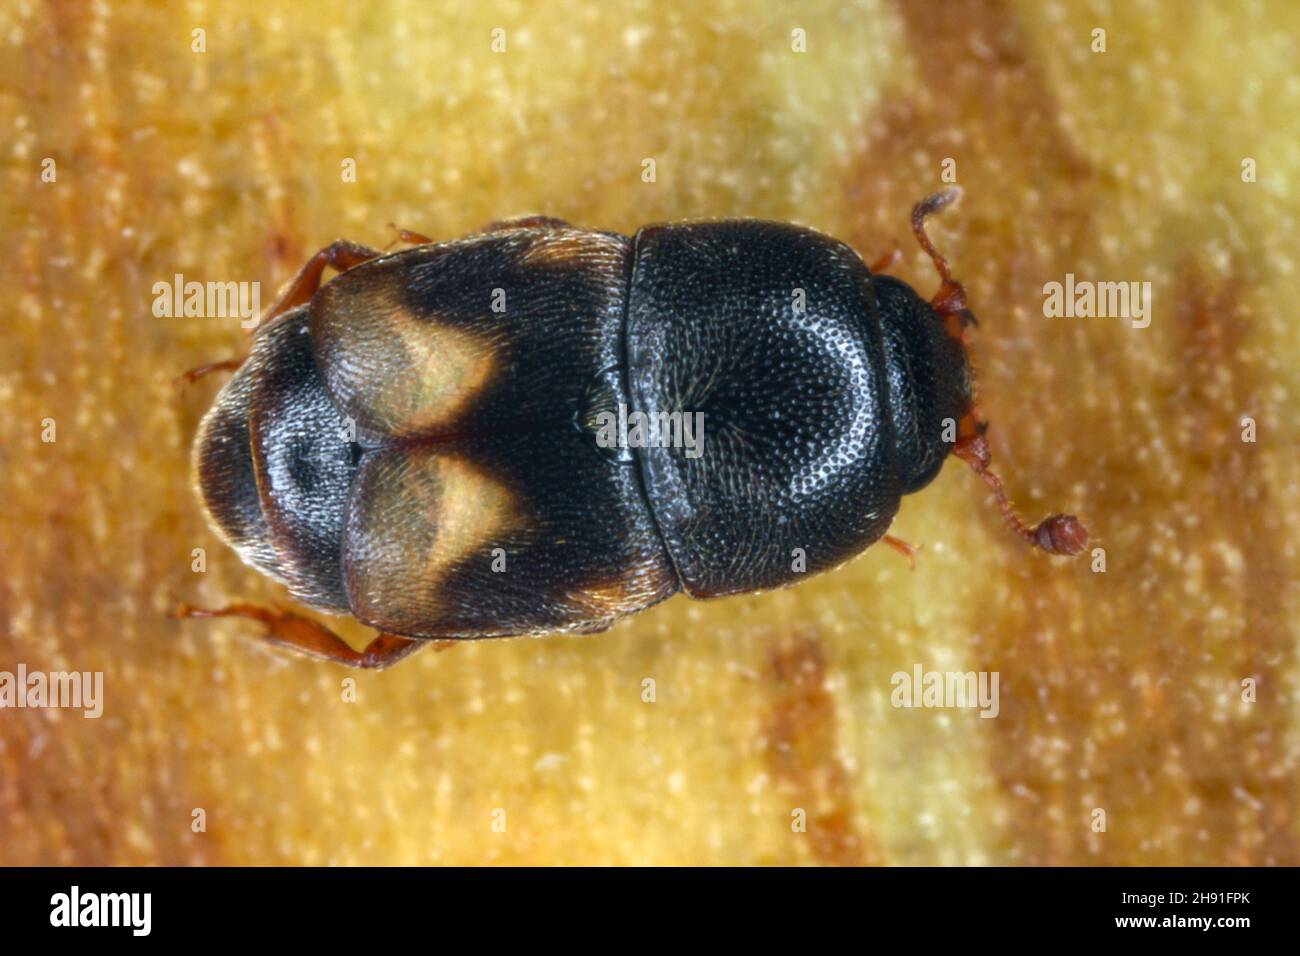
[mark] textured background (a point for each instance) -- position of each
(1120, 690)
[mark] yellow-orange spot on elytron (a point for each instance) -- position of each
(445, 369)
(621, 595)
(466, 511)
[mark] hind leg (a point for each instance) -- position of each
(305, 636)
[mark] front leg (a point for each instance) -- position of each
(193, 375)
(341, 255)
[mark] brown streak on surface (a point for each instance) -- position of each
(802, 739)
(1119, 690)
(1243, 771)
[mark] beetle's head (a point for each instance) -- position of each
(929, 381)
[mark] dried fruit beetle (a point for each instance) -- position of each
(422, 442)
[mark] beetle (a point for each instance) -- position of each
(417, 443)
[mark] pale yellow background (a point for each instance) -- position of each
(1120, 691)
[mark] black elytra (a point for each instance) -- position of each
(416, 443)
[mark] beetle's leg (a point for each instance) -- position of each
(194, 374)
(902, 547)
(408, 237)
(887, 261)
(310, 637)
(342, 254)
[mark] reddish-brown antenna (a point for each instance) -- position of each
(1055, 534)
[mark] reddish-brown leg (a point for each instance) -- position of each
(194, 374)
(1055, 534)
(902, 547)
(306, 636)
(340, 255)
(887, 261)
(408, 237)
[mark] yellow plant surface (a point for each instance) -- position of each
(1161, 691)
